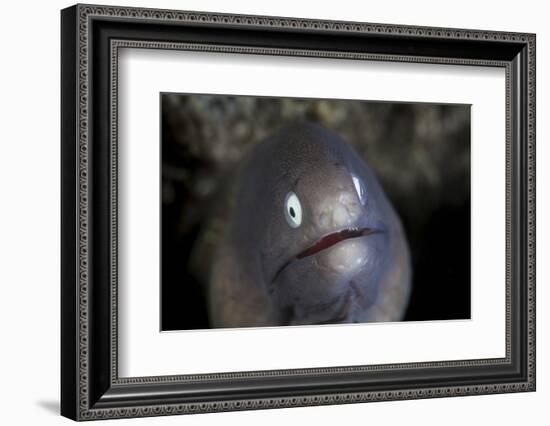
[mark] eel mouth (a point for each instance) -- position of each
(326, 242)
(334, 238)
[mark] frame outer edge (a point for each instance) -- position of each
(531, 213)
(81, 318)
(68, 181)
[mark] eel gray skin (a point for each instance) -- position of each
(347, 261)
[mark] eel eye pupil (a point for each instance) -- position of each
(293, 210)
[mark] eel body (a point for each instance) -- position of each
(303, 234)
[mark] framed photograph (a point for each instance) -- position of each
(263, 212)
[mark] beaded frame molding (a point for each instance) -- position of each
(91, 38)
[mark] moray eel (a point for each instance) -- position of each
(304, 235)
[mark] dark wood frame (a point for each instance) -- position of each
(91, 37)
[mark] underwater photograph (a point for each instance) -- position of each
(295, 211)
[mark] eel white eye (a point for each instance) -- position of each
(293, 210)
(360, 189)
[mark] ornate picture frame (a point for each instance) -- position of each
(91, 38)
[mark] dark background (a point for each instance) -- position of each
(420, 153)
